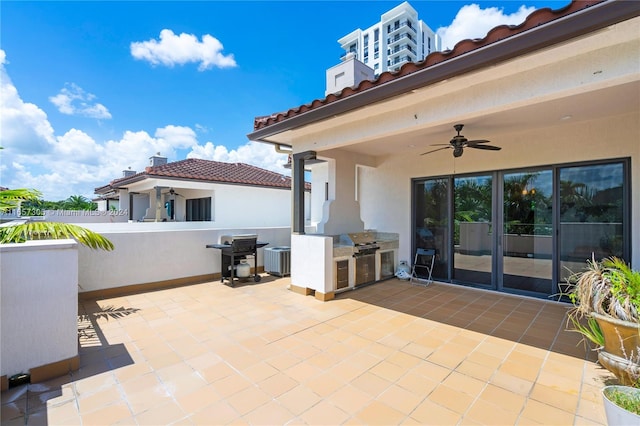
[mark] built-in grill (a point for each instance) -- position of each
(364, 252)
(364, 243)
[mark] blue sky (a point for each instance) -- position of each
(89, 89)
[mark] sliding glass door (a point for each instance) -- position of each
(527, 231)
(523, 231)
(431, 223)
(473, 228)
(591, 214)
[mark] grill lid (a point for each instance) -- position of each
(228, 239)
(363, 242)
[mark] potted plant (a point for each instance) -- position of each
(606, 298)
(621, 405)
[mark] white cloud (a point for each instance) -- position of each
(177, 136)
(25, 127)
(257, 154)
(473, 22)
(74, 163)
(79, 146)
(201, 129)
(73, 100)
(174, 49)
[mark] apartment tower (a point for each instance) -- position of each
(398, 38)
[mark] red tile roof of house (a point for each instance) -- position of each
(207, 171)
(535, 19)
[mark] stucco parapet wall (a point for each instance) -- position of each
(39, 245)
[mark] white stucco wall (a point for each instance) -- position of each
(308, 270)
(237, 205)
(161, 251)
(86, 216)
(385, 191)
(39, 300)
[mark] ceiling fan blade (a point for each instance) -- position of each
(439, 149)
(477, 141)
(440, 144)
(487, 147)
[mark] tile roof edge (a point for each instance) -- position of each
(534, 20)
(152, 172)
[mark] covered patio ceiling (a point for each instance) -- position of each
(575, 81)
(500, 125)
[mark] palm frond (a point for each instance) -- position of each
(11, 198)
(53, 230)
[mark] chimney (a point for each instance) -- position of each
(128, 172)
(348, 73)
(157, 160)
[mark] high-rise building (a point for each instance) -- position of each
(398, 38)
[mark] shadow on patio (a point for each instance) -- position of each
(389, 353)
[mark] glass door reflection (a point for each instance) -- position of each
(591, 215)
(432, 223)
(472, 233)
(527, 234)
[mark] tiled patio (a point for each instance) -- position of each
(391, 353)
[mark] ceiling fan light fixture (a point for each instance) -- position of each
(459, 142)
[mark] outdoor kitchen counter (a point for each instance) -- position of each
(342, 250)
(388, 240)
(385, 240)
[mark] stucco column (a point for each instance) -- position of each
(341, 212)
(297, 190)
(158, 203)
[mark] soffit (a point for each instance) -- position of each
(603, 93)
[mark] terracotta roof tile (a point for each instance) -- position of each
(536, 18)
(208, 171)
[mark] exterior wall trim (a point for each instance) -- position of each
(585, 21)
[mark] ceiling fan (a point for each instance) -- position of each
(459, 142)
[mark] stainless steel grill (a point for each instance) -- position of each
(364, 252)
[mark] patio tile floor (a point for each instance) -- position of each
(389, 353)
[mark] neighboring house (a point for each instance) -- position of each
(227, 194)
(399, 37)
(559, 94)
(106, 202)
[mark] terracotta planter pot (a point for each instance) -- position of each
(621, 342)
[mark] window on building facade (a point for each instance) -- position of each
(376, 35)
(199, 209)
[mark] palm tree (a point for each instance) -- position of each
(78, 202)
(21, 231)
